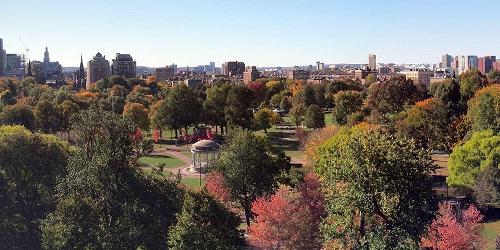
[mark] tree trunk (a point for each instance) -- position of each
(246, 207)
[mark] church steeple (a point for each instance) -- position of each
(46, 55)
(29, 69)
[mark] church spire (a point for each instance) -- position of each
(46, 55)
(29, 69)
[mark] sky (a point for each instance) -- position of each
(257, 32)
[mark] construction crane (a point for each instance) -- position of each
(25, 48)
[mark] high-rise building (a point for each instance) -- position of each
(320, 66)
(251, 74)
(164, 74)
(14, 65)
(372, 61)
(461, 64)
(446, 61)
(472, 62)
(485, 63)
(2, 58)
(233, 68)
(97, 69)
(124, 65)
(298, 74)
(496, 65)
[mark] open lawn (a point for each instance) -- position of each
(152, 160)
(193, 183)
(491, 230)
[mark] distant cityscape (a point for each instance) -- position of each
(93, 69)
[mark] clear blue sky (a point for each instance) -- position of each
(258, 32)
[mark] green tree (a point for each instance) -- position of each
(484, 109)
(427, 123)
(204, 223)
(30, 167)
(7, 98)
(476, 155)
(250, 166)
(66, 109)
(129, 209)
(380, 190)
(237, 111)
(487, 187)
(296, 113)
(47, 117)
(370, 79)
(494, 77)
(214, 105)
(346, 103)
(263, 119)
(18, 114)
(448, 91)
(470, 82)
(181, 109)
(285, 103)
(314, 117)
(138, 114)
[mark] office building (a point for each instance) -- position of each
(298, 74)
(472, 62)
(372, 61)
(320, 66)
(165, 74)
(14, 65)
(496, 65)
(485, 64)
(2, 58)
(446, 61)
(124, 65)
(233, 69)
(251, 74)
(97, 69)
(419, 76)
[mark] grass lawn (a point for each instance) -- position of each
(152, 160)
(193, 183)
(491, 230)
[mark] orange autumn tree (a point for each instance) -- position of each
(314, 140)
(454, 229)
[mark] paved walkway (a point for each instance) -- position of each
(174, 151)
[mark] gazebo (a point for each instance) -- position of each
(204, 153)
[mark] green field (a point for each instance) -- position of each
(193, 183)
(491, 230)
(152, 160)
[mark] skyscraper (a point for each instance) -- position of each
(234, 68)
(124, 65)
(14, 65)
(472, 62)
(97, 68)
(446, 61)
(2, 58)
(485, 64)
(372, 61)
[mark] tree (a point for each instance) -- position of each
(484, 109)
(47, 117)
(346, 103)
(296, 113)
(237, 110)
(214, 185)
(30, 167)
(129, 209)
(470, 82)
(65, 110)
(204, 223)
(391, 96)
(285, 103)
(454, 230)
(181, 109)
(214, 105)
(281, 221)
(314, 140)
(250, 166)
(448, 92)
(476, 155)
(427, 123)
(380, 190)
(7, 98)
(264, 119)
(494, 77)
(487, 187)
(314, 117)
(18, 114)
(370, 79)
(138, 114)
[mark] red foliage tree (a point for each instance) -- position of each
(454, 229)
(214, 184)
(281, 221)
(312, 196)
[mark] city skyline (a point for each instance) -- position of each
(256, 32)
